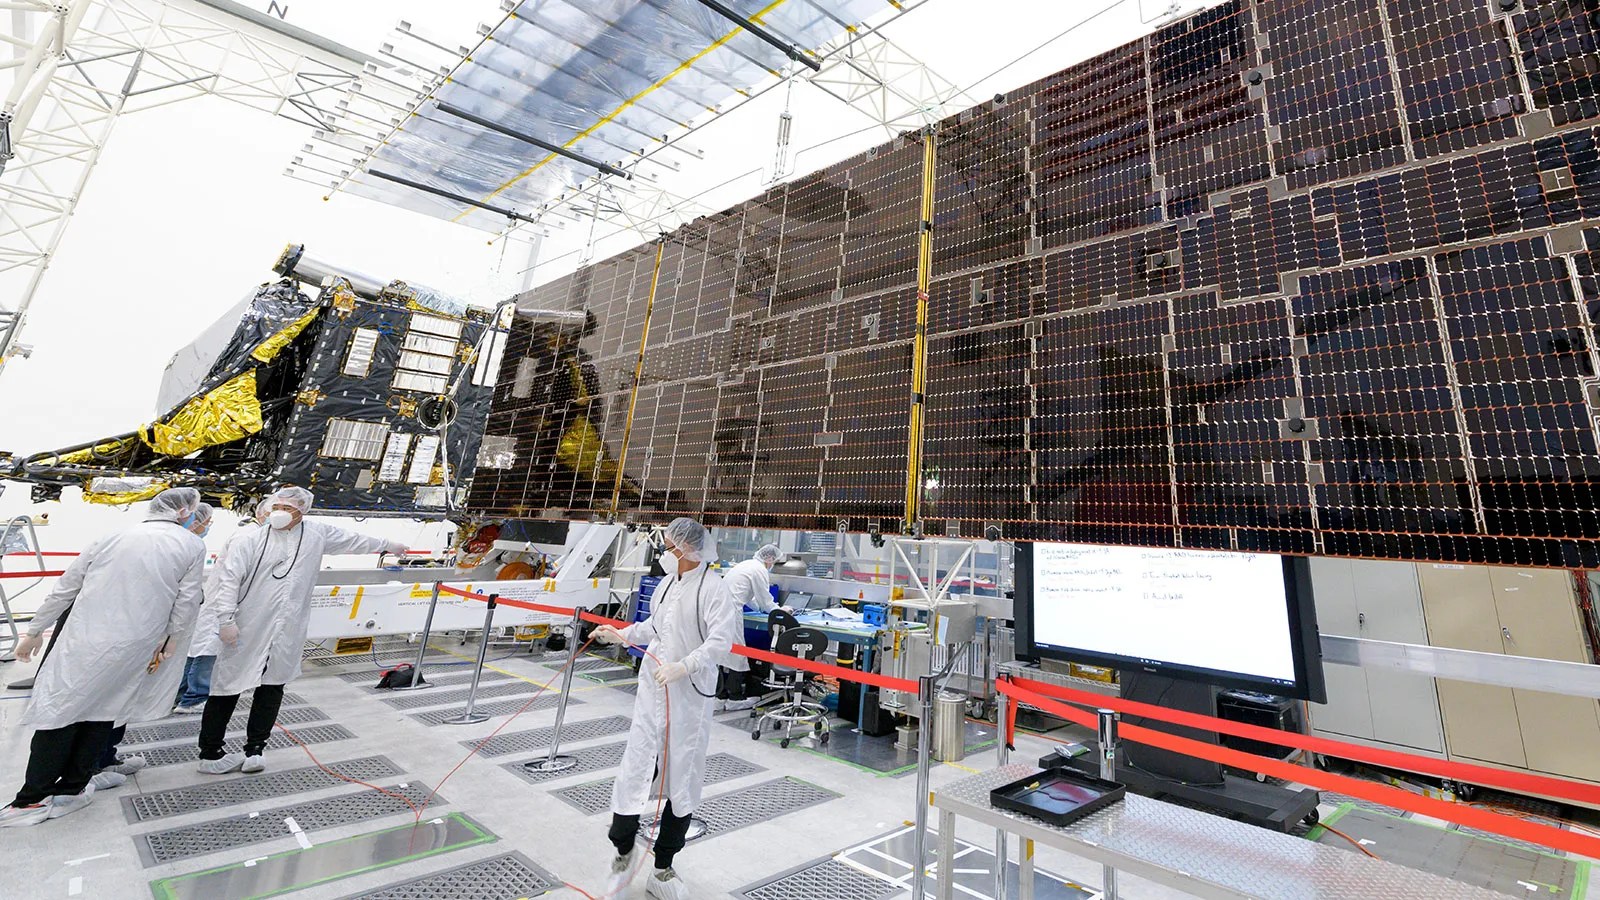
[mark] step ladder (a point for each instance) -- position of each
(18, 537)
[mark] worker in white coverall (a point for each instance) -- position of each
(155, 690)
(749, 587)
(131, 596)
(196, 684)
(691, 627)
(262, 609)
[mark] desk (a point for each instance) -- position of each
(1187, 850)
(859, 634)
(844, 632)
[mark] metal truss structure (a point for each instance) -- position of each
(80, 65)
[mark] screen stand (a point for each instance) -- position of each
(1176, 778)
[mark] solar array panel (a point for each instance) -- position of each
(1304, 276)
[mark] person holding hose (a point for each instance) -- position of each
(262, 609)
(692, 626)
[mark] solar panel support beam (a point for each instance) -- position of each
(514, 134)
(451, 195)
(789, 50)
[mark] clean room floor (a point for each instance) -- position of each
(784, 823)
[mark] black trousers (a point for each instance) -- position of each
(219, 709)
(62, 760)
(673, 835)
(108, 756)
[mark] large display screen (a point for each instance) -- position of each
(1233, 619)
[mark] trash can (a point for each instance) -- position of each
(950, 727)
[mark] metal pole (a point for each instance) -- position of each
(470, 716)
(422, 649)
(1108, 771)
(919, 852)
(555, 762)
(1002, 756)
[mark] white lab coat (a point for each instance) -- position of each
(158, 690)
(749, 585)
(128, 593)
(265, 588)
(692, 621)
(206, 642)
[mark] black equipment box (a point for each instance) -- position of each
(1263, 710)
(878, 722)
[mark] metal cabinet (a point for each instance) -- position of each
(1520, 612)
(1377, 600)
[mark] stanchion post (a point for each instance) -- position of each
(919, 850)
(556, 762)
(470, 716)
(1002, 756)
(1108, 771)
(422, 648)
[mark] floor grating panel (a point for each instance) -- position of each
(595, 797)
(383, 657)
(759, 803)
(443, 678)
(178, 754)
(498, 708)
(159, 847)
(589, 759)
(506, 877)
(539, 738)
(825, 880)
(587, 664)
(437, 697)
(609, 676)
(211, 795)
(189, 726)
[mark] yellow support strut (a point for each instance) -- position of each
(638, 374)
(919, 354)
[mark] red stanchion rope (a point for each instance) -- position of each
(1533, 832)
(31, 574)
(1516, 782)
(820, 668)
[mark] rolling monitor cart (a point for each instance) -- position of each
(1178, 625)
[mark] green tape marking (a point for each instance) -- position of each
(165, 888)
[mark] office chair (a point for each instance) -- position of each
(778, 621)
(790, 638)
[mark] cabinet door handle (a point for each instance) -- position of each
(1506, 633)
(1361, 619)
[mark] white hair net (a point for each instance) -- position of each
(692, 540)
(769, 554)
(204, 512)
(173, 505)
(297, 497)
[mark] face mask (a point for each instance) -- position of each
(669, 562)
(189, 522)
(280, 518)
